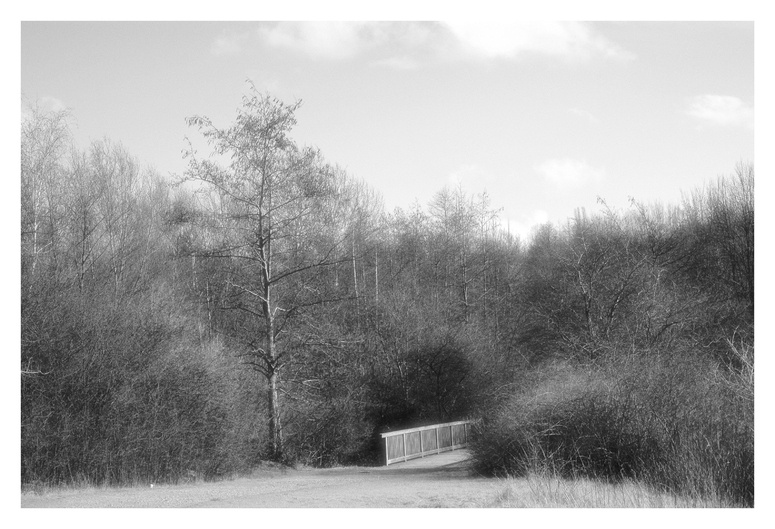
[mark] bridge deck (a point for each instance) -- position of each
(455, 457)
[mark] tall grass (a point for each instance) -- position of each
(545, 490)
(678, 424)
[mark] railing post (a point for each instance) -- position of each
(451, 437)
(387, 453)
(438, 448)
(404, 436)
(422, 451)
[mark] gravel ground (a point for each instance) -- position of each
(442, 480)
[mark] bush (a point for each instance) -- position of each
(679, 424)
(128, 394)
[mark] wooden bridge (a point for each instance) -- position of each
(403, 445)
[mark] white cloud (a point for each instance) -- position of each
(330, 40)
(404, 45)
(393, 45)
(585, 115)
(567, 173)
(573, 40)
(525, 225)
(721, 110)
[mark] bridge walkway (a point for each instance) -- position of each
(452, 460)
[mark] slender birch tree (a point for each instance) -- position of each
(269, 215)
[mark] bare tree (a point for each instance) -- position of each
(269, 215)
(45, 138)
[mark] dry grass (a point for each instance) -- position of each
(552, 492)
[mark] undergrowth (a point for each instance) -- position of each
(679, 425)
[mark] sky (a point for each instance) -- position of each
(544, 116)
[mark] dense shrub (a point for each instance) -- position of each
(679, 423)
(123, 397)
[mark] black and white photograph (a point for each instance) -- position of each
(350, 262)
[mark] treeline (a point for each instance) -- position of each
(265, 306)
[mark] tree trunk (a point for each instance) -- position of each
(275, 428)
(355, 277)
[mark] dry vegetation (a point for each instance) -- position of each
(542, 491)
(274, 311)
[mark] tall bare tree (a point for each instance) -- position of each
(271, 215)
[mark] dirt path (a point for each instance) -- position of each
(437, 481)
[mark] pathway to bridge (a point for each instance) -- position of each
(443, 480)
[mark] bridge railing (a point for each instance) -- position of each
(403, 445)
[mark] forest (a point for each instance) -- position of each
(264, 306)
